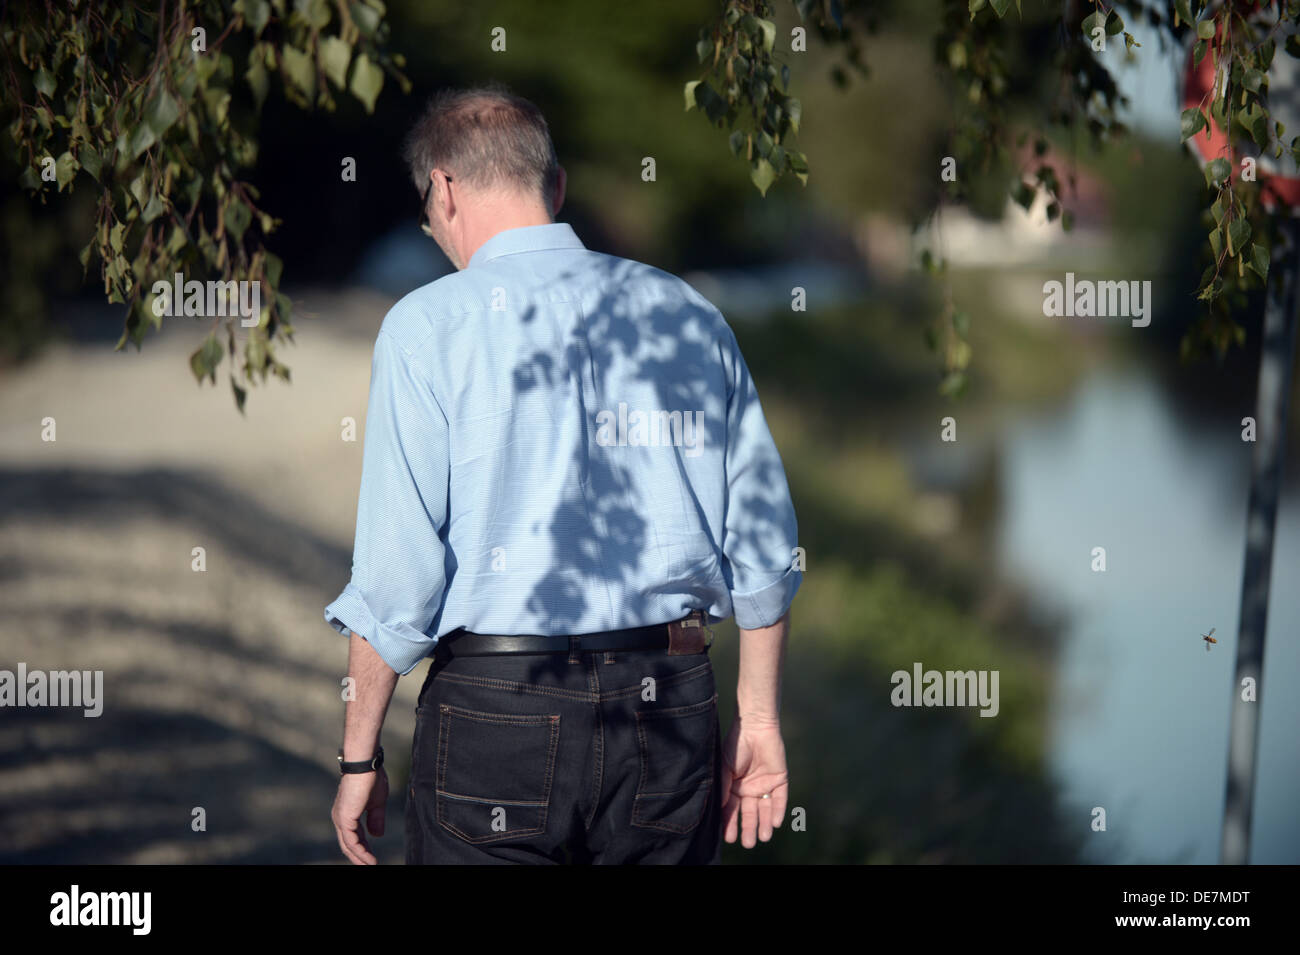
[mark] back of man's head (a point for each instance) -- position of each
(486, 138)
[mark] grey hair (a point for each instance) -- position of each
(485, 137)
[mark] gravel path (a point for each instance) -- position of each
(221, 687)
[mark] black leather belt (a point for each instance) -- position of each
(691, 634)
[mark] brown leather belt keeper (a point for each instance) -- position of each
(687, 636)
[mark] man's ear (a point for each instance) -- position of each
(558, 200)
(441, 195)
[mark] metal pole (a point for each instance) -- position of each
(1277, 354)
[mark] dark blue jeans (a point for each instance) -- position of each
(584, 758)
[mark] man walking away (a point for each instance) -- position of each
(567, 476)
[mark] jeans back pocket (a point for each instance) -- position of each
(677, 747)
(495, 772)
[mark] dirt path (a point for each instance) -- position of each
(221, 687)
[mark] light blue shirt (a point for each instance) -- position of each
(561, 442)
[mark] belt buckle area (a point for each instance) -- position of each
(689, 635)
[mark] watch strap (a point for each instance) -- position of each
(362, 766)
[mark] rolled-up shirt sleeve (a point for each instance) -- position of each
(761, 533)
(398, 573)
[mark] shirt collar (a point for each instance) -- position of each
(529, 238)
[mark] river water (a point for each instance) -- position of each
(1141, 709)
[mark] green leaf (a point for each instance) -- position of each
(335, 56)
(206, 358)
(258, 14)
(43, 81)
(1238, 235)
(366, 18)
(257, 78)
(793, 109)
(65, 167)
(1192, 122)
(1092, 22)
(708, 100)
(153, 209)
(161, 112)
(138, 187)
(1253, 80)
(316, 12)
(953, 384)
(690, 94)
(274, 266)
(1205, 29)
(301, 72)
(1259, 129)
(237, 217)
(1000, 7)
(367, 80)
(768, 30)
(959, 355)
(737, 142)
(142, 137)
(1216, 171)
(240, 394)
(1216, 243)
(283, 310)
(90, 161)
(798, 165)
(1114, 25)
(762, 175)
(975, 6)
(704, 48)
(176, 241)
(1259, 258)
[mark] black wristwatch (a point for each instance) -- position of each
(362, 766)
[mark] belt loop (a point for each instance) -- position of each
(609, 656)
(573, 650)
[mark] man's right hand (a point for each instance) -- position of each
(360, 793)
(753, 763)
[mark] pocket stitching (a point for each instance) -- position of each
(444, 739)
(688, 710)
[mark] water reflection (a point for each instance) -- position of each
(1140, 721)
